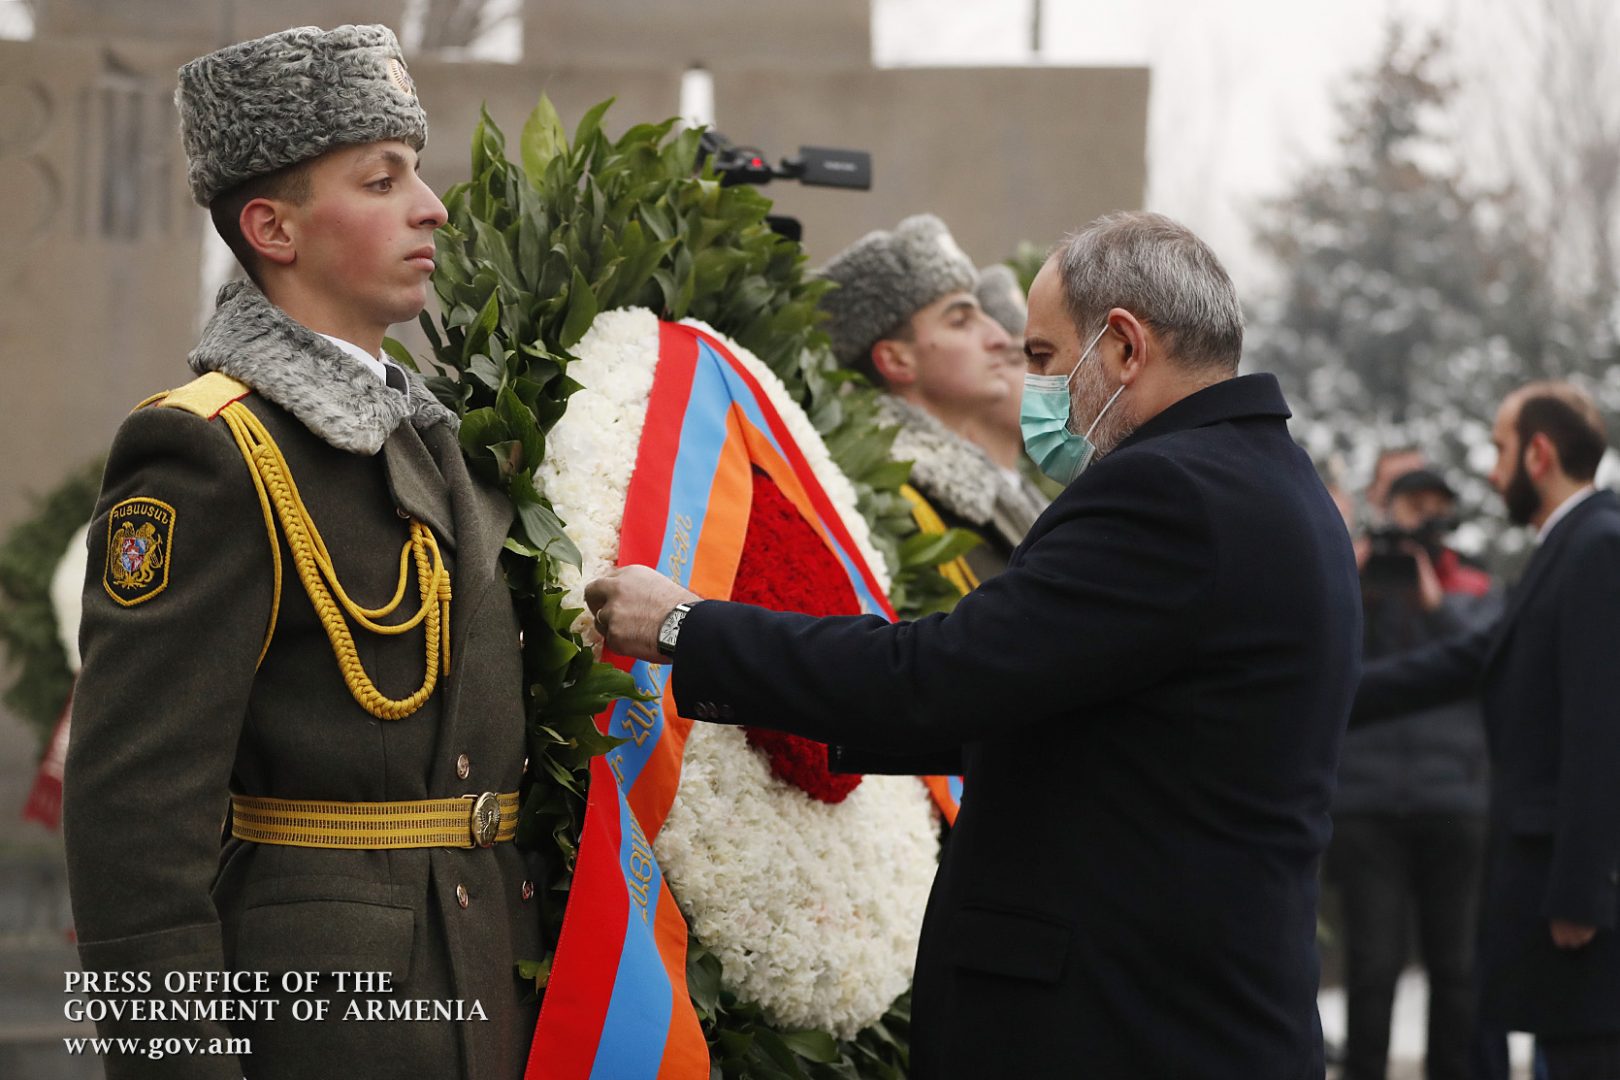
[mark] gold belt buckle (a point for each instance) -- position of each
(485, 819)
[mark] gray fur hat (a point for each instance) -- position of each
(258, 106)
(886, 277)
(1002, 299)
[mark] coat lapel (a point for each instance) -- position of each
(1545, 556)
(483, 515)
(417, 486)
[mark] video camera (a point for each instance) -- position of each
(816, 166)
(1389, 562)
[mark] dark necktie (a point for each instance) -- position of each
(395, 378)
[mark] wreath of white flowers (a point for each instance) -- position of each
(813, 909)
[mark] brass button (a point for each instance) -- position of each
(461, 895)
(485, 819)
(527, 891)
(463, 766)
(404, 514)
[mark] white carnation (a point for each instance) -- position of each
(813, 909)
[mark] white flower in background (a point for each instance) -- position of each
(591, 451)
(813, 909)
(67, 594)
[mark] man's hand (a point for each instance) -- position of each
(629, 605)
(1569, 935)
(1430, 594)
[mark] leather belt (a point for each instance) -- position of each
(472, 821)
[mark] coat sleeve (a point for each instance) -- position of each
(1097, 607)
(1435, 674)
(157, 713)
(1585, 873)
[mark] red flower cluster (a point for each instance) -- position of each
(786, 567)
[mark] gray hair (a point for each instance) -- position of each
(1159, 271)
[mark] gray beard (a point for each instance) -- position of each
(1089, 398)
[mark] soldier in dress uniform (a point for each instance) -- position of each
(905, 315)
(299, 731)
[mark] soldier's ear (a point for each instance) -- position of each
(894, 362)
(264, 226)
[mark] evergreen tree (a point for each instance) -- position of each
(1409, 302)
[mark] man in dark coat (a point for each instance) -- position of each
(1548, 674)
(1409, 816)
(905, 314)
(1150, 703)
(260, 781)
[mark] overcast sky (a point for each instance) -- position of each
(1242, 90)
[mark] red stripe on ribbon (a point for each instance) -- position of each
(588, 948)
(641, 536)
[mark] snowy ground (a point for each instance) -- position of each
(1406, 1037)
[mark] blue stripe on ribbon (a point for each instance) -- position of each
(738, 391)
(954, 785)
(638, 1015)
(697, 458)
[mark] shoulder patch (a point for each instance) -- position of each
(140, 542)
(205, 396)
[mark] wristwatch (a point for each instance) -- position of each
(671, 628)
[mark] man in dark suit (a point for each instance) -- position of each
(1150, 703)
(1549, 674)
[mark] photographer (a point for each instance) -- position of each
(1409, 816)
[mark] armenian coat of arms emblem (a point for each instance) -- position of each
(140, 536)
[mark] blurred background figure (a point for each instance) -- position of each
(1409, 817)
(1026, 491)
(1390, 465)
(905, 316)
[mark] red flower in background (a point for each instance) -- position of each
(785, 566)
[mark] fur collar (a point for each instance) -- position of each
(954, 473)
(255, 342)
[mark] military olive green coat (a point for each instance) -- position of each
(171, 713)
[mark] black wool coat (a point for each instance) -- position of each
(1150, 703)
(1548, 672)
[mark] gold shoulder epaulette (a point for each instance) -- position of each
(206, 395)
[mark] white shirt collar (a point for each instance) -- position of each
(374, 364)
(1563, 510)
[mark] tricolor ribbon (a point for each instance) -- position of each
(616, 1006)
(947, 793)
